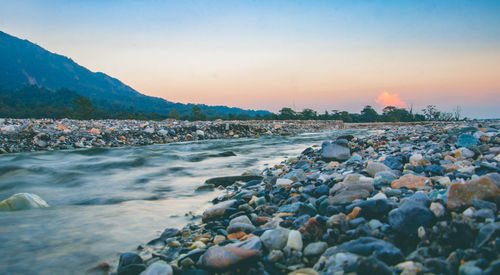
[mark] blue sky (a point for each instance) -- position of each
(269, 54)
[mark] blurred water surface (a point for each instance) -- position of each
(108, 201)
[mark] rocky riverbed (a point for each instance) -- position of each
(24, 135)
(420, 199)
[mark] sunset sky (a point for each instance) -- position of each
(323, 55)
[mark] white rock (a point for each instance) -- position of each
(295, 240)
(200, 133)
(378, 196)
(374, 167)
(283, 182)
(437, 209)
(497, 158)
(421, 232)
(469, 212)
(22, 201)
(444, 181)
(466, 153)
(158, 268)
(10, 128)
(416, 157)
(163, 132)
(149, 130)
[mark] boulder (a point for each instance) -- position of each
(217, 210)
(338, 150)
(463, 194)
(23, 201)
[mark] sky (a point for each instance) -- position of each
(324, 55)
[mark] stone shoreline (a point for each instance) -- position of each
(29, 135)
(419, 199)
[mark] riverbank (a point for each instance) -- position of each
(408, 200)
(28, 135)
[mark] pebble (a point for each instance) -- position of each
(22, 201)
(158, 268)
(410, 181)
(220, 258)
(407, 201)
(479, 189)
(374, 167)
(315, 249)
(295, 240)
(275, 239)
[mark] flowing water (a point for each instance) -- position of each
(108, 201)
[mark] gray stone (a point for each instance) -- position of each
(275, 239)
(315, 249)
(239, 226)
(335, 151)
(158, 268)
(367, 246)
(217, 210)
(375, 167)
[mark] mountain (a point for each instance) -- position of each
(24, 63)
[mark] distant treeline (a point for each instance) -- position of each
(368, 114)
(38, 102)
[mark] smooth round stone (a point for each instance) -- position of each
(409, 217)
(375, 224)
(374, 167)
(217, 210)
(23, 201)
(315, 249)
(470, 268)
(158, 268)
(340, 262)
(240, 219)
(198, 245)
(260, 201)
(438, 209)
(339, 150)
(237, 227)
(416, 158)
(219, 258)
(466, 153)
(466, 140)
(283, 182)
(275, 239)
(218, 239)
(130, 263)
(295, 240)
(373, 266)
(275, 256)
(367, 246)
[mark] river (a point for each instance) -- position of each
(108, 201)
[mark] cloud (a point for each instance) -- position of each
(387, 99)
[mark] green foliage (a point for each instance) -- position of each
(83, 108)
(174, 114)
(287, 113)
(198, 114)
(368, 114)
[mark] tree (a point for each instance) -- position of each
(197, 113)
(394, 114)
(457, 113)
(368, 114)
(287, 113)
(174, 114)
(431, 113)
(83, 108)
(308, 114)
